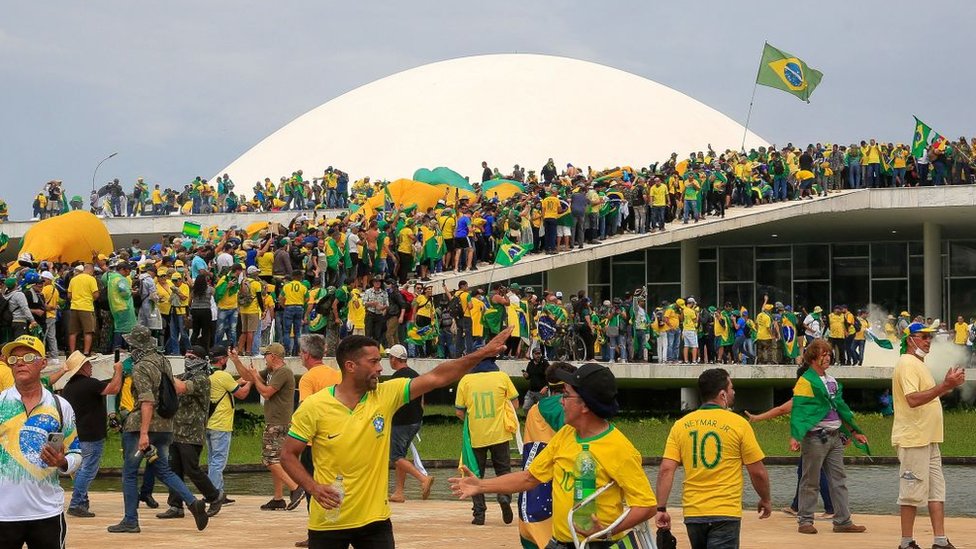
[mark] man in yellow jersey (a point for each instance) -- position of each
(220, 426)
(249, 302)
(712, 444)
(349, 427)
(51, 296)
(485, 401)
(589, 401)
(294, 296)
(765, 345)
(82, 293)
(837, 332)
(659, 203)
(550, 213)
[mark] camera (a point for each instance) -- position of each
(150, 454)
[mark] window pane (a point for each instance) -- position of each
(915, 248)
(735, 264)
(656, 293)
(707, 253)
(534, 280)
(962, 259)
(773, 279)
(708, 273)
(811, 262)
(916, 285)
(962, 299)
(664, 265)
(889, 260)
(637, 257)
(850, 250)
(598, 293)
(772, 252)
(739, 294)
(890, 295)
(598, 271)
(627, 278)
(850, 282)
(811, 294)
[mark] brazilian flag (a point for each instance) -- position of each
(4, 241)
(332, 255)
(509, 253)
(788, 331)
(493, 318)
(468, 458)
(811, 402)
(784, 71)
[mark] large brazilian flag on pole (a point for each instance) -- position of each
(784, 71)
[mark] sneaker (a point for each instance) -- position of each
(507, 515)
(274, 505)
(215, 505)
(807, 529)
(123, 528)
(171, 513)
(149, 501)
(199, 510)
(948, 545)
(80, 512)
(478, 520)
(849, 528)
(227, 500)
(297, 496)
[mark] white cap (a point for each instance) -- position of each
(559, 295)
(252, 269)
(79, 268)
(397, 351)
(46, 275)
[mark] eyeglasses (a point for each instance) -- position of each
(29, 358)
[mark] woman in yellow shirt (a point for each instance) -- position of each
(357, 312)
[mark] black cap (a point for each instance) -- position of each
(218, 351)
(198, 351)
(596, 385)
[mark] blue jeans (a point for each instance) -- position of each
(874, 176)
(291, 320)
(715, 534)
(854, 176)
(779, 187)
(657, 217)
(674, 343)
(218, 449)
(178, 338)
(91, 456)
(691, 207)
(158, 469)
(226, 326)
(464, 341)
(550, 226)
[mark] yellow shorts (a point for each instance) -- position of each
(920, 475)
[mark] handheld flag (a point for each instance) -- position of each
(784, 71)
(788, 330)
(925, 136)
(191, 229)
(509, 253)
(883, 343)
(468, 458)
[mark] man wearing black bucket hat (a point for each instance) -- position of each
(589, 402)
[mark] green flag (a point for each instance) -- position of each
(786, 72)
(925, 136)
(883, 343)
(191, 229)
(4, 240)
(468, 459)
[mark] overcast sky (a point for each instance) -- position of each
(182, 88)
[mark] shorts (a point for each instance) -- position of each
(250, 322)
(920, 478)
(271, 442)
(81, 322)
(690, 338)
(449, 243)
(400, 439)
(461, 243)
(563, 231)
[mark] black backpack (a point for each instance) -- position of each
(454, 307)
(324, 305)
(168, 401)
(778, 167)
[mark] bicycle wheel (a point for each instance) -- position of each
(562, 351)
(577, 348)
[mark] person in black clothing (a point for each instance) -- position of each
(406, 425)
(486, 172)
(87, 397)
(535, 373)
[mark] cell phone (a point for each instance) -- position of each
(56, 439)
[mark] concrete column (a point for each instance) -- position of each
(689, 268)
(932, 269)
(689, 398)
(568, 280)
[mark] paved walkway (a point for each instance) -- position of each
(421, 525)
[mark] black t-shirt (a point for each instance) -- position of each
(85, 395)
(413, 412)
(537, 374)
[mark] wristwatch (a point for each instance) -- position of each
(662, 509)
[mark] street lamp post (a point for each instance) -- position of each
(98, 166)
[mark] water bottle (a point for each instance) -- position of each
(584, 486)
(332, 515)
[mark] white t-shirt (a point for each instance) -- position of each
(352, 243)
(29, 488)
(814, 328)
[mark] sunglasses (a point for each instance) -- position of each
(29, 358)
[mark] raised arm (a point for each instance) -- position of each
(451, 371)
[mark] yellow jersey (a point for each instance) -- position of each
(357, 312)
(222, 385)
(659, 195)
(764, 325)
(254, 308)
(961, 329)
(82, 289)
(295, 293)
(265, 263)
(229, 299)
(712, 444)
(835, 326)
(405, 241)
(317, 378)
(352, 443)
(6, 377)
(550, 207)
(485, 399)
(618, 461)
(51, 296)
(477, 310)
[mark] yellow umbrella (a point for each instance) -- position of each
(503, 191)
(407, 192)
(255, 228)
(803, 175)
(69, 237)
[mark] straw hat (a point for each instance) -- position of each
(73, 364)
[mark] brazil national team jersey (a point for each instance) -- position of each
(712, 443)
(617, 460)
(295, 293)
(29, 488)
(352, 443)
(484, 398)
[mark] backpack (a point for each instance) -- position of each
(244, 294)
(779, 168)
(324, 305)
(6, 316)
(857, 324)
(454, 307)
(168, 402)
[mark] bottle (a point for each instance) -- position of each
(332, 515)
(584, 486)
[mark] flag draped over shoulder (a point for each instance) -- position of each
(812, 402)
(509, 253)
(468, 458)
(788, 331)
(925, 136)
(784, 71)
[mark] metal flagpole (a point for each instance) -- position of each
(755, 86)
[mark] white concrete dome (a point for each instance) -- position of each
(506, 109)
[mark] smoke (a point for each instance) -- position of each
(945, 354)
